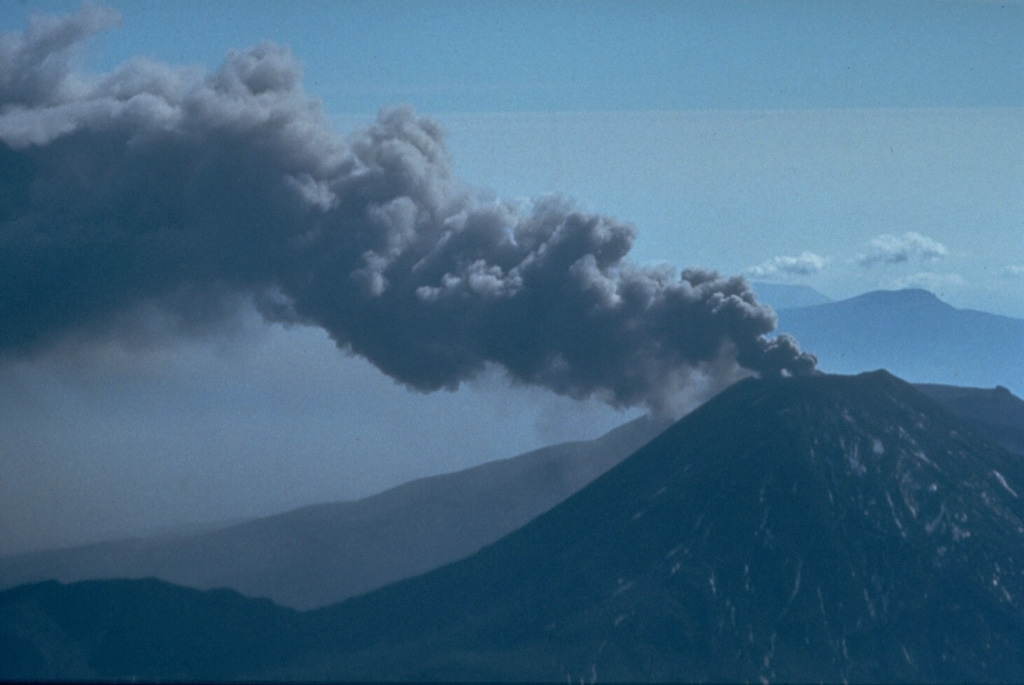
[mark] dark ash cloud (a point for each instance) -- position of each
(166, 188)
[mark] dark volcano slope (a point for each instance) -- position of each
(147, 630)
(822, 528)
(996, 411)
(808, 529)
(318, 555)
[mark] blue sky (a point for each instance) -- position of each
(847, 146)
(572, 56)
(782, 128)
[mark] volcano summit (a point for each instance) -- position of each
(818, 528)
(798, 529)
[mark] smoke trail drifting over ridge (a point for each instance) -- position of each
(174, 188)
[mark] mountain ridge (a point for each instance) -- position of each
(997, 411)
(915, 335)
(581, 583)
(323, 553)
(411, 515)
(819, 528)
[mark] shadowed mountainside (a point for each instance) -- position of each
(148, 629)
(997, 412)
(804, 529)
(826, 528)
(321, 554)
(324, 553)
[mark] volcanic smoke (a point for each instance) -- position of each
(157, 186)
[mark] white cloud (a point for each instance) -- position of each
(898, 249)
(806, 264)
(1014, 271)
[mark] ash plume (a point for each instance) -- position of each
(185, 191)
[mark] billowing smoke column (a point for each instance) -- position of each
(172, 188)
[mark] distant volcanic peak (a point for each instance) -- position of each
(920, 294)
(903, 297)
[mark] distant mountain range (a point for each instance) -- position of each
(802, 529)
(913, 334)
(324, 553)
(321, 554)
